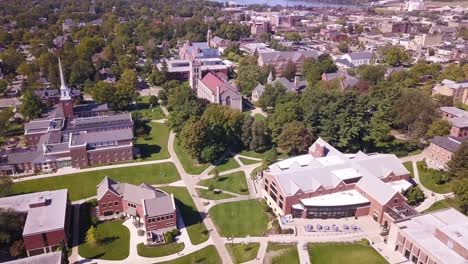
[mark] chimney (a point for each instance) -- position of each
(318, 151)
(296, 81)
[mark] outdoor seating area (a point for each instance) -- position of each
(332, 228)
(154, 239)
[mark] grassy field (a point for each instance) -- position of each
(154, 145)
(337, 253)
(191, 166)
(207, 255)
(249, 161)
(196, 229)
(427, 178)
(282, 253)
(240, 219)
(115, 238)
(446, 203)
(159, 251)
(234, 182)
(253, 154)
(210, 195)
(226, 164)
(143, 107)
(83, 185)
(243, 252)
(409, 166)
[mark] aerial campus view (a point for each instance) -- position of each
(248, 131)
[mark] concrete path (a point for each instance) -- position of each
(257, 110)
(303, 253)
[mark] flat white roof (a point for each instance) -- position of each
(350, 197)
(345, 174)
(400, 186)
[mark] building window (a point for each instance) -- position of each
(169, 224)
(109, 204)
(103, 205)
(116, 203)
(395, 201)
(228, 101)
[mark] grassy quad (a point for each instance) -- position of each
(143, 107)
(253, 154)
(190, 165)
(446, 203)
(240, 219)
(234, 182)
(409, 166)
(114, 237)
(278, 253)
(207, 255)
(83, 185)
(337, 253)
(159, 251)
(243, 252)
(196, 229)
(427, 175)
(154, 145)
(210, 195)
(225, 165)
(249, 161)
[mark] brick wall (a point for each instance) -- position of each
(108, 203)
(161, 222)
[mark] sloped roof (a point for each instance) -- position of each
(213, 81)
(449, 143)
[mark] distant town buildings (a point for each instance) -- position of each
(458, 90)
(355, 59)
(416, 5)
(280, 59)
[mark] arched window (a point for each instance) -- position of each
(228, 101)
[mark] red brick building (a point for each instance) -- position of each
(329, 184)
(72, 136)
(47, 220)
(154, 207)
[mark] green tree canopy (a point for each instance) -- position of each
(295, 138)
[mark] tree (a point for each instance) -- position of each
(5, 116)
(284, 113)
(415, 195)
(102, 92)
(260, 137)
(371, 73)
(453, 72)
(295, 138)
(460, 189)
(272, 95)
(10, 60)
(394, 55)
(17, 249)
(194, 137)
(313, 69)
(290, 71)
(5, 185)
(81, 71)
(31, 106)
(246, 136)
(157, 77)
(458, 165)
(126, 92)
(248, 75)
(92, 236)
(343, 47)
(3, 86)
(293, 36)
(439, 127)
(153, 100)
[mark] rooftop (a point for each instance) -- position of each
(351, 197)
(454, 111)
(48, 258)
(48, 216)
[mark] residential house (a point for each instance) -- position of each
(47, 219)
(427, 40)
(153, 206)
(346, 81)
(295, 86)
(458, 90)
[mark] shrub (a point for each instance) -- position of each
(169, 237)
(92, 236)
(140, 232)
(364, 242)
(93, 202)
(94, 220)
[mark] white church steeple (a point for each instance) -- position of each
(64, 91)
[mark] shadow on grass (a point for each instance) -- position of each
(146, 150)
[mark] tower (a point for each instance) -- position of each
(65, 98)
(195, 74)
(209, 36)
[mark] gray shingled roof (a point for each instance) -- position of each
(363, 55)
(449, 143)
(454, 111)
(102, 136)
(269, 57)
(460, 122)
(159, 206)
(90, 108)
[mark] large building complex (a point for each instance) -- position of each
(280, 59)
(155, 207)
(437, 237)
(72, 136)
(329, 184)
(47, 219)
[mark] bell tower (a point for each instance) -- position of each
(65, 98)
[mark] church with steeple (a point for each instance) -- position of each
(72, 135)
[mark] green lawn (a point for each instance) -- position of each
(210, 195)
(253, 174)
(159, 251)
(195, 227)
(154, 145)
(234, 182)
(249, 161)
(115, 238)
(190, 165)
(409, 166)
(240, 219)
(143, 108)
(243, 252)
(337, 253)
(226, 164)
(83, 185)
(427, 178)
(278, 253)
(207, 255)
(253, 154)
(446, 203)
(259, 117)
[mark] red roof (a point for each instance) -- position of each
(212, 81)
